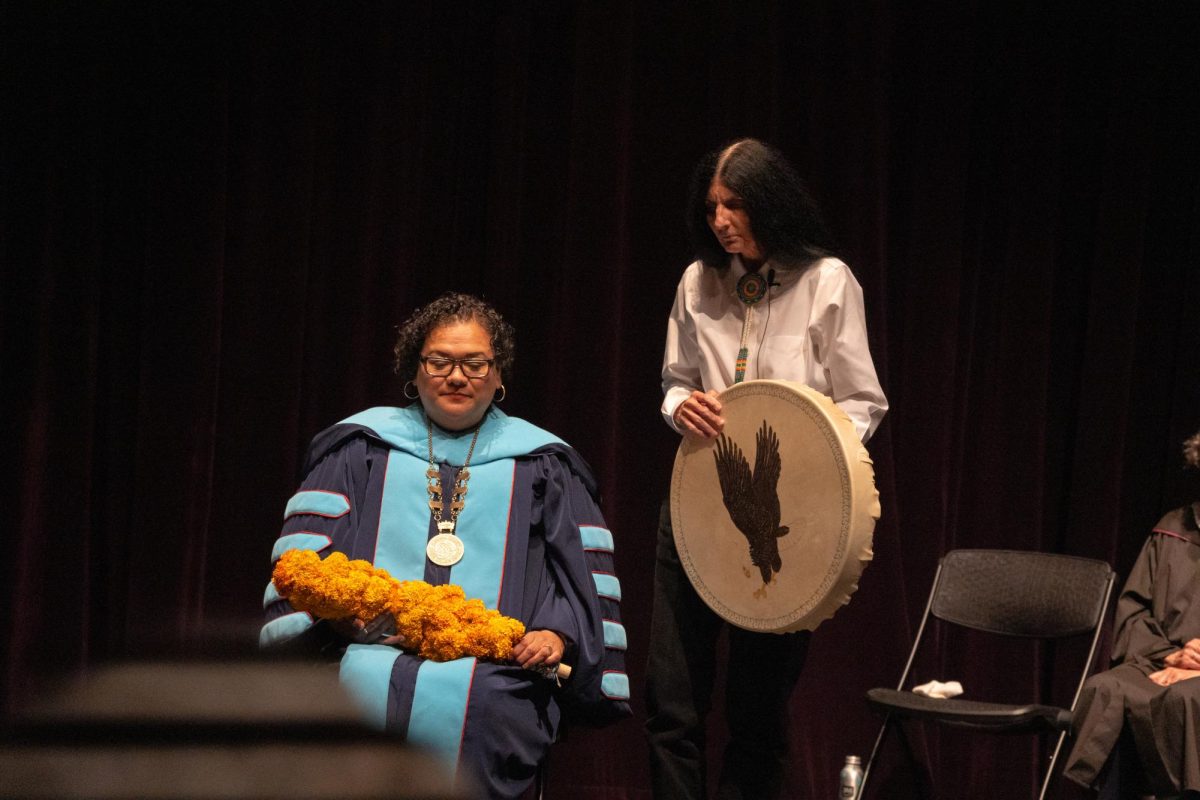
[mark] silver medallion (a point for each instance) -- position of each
(445, 549)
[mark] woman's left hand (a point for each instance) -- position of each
(1187, 657)
(380, 630)
(538, 647)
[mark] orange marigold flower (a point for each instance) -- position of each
(439, 622)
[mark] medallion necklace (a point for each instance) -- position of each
(446, 549)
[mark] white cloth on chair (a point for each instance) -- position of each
(939, 690)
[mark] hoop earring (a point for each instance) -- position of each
(503, 394)
(411, 396)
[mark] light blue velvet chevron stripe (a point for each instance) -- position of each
(303, 540)
(366, 672)
(271, 595)
(403, 518)
(615, 685)
(596, 538)
(283, 628)
(607, 585)
(321, 503)
(614, 635)
(439, 707)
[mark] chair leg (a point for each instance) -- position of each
(1053, 762)
(921, 779)
(921, 776)
(862, 789)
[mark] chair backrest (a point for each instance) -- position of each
(1021, 593)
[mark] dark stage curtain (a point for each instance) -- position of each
(214, 214)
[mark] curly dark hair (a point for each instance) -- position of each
(785, 220)
(453, 307)
(1191, 450)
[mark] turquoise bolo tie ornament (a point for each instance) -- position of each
(751, 288)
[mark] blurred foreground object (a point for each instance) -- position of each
(249, 729)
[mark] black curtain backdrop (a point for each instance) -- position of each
(213, 216)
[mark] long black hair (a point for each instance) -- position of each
(784, 219)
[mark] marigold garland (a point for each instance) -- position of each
(437, 621)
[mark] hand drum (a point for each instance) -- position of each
(773, 520)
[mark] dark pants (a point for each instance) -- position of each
(762, 671)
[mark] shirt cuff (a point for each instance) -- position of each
(672, 401)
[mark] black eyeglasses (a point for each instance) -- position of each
(441, 367)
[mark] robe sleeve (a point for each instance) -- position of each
(579, 553)
(1139, 634)
(324, 514)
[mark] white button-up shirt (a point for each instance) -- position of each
(811, 328)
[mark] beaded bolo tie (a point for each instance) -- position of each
(751, 288)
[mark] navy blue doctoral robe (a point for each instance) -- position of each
(536, 548)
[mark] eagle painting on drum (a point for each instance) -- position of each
(753, 499)
(779, 547)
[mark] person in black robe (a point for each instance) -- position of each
(1141, 718)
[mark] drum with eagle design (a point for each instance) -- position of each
(773, 520)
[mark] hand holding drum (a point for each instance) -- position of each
(700, 415)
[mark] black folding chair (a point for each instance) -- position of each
(1012, 593)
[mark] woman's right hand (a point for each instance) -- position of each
(700, 415)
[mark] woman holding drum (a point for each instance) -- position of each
(764, 299)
